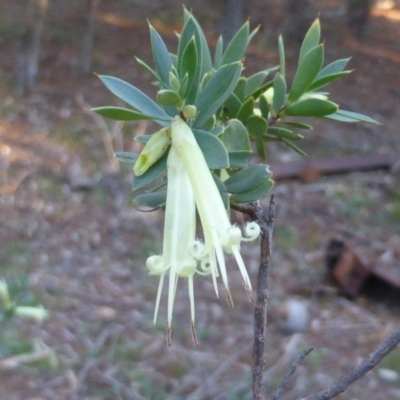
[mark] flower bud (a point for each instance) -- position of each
(168, 97)
(173, 82)
(189, 111)
(153, 151)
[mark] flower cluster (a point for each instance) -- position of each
(190, 186)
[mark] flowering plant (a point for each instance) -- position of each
(210, 116)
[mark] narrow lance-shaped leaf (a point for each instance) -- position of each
(135, 98)
(311, 108)
(311, 39)
(188, 64)
(237, 46)
(216, 91)
(218, 53)
(253, 82)
(148, 69)
(126, 157)
(161, 56)
(120, 114)
(278, 101)
(306, 72)
(350, 115)
(283, 133)
(325, 80)
(282, 57)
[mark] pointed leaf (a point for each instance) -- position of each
(151, 174)
(325, 80)
(255, 195)
(218, 53)
(148, 69)
(264, 107)
(282, 57)
(294, 147)
(213, 149)
(333, 68)
(297, 125)
(306, 72)
(217, 90)
(357, 116)
(161, 56)
(126, 157)
(151, 200)
(188, 64)
(248, 180)
(283, 133)
(278, 101)
(311, 108)
(232, 106)
(135, 98)
(237, 46)
(240, 89)
(311, 39)
(255, 81)
(120, 114)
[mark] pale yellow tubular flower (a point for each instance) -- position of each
(179, 234)
(219, 234)
(153, 150)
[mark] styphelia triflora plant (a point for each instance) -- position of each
(200, 159)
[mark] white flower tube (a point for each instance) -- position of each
(179, 234)
(219, 234)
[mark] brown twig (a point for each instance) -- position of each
(256, 213)
(388, 345)
(289, 374)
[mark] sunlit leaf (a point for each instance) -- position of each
(306, 72)
(311, 108)
(135, 98)
(311, 39)
(161, 56)
(120, 114)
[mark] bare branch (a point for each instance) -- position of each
(388, 345)
(289, 374)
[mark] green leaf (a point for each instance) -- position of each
(161, 56)
(306, 72)
(311, 39)
(247, 180)
(255, 195)
(143, 138)
(311, 108)
(135, 98)
(151, 174)
(278, 101)
(297, 125)
(321, 82)
(262, 89)
(260, 148)
(255, 81)
(357, 116)
(201, 43)
(119, 113)
(246, 110)
(217, 90)
(257, 125)
(218, 53)
(240, 89)
(213, 149)
(126, 157)
(294, 147)
(188, 64)
(333, 68)
(148, 69)
(151, 200)
(283, 133)
(264, 107)
(282, 57)
(232, 106)
(237, 46)
(235, 137)
(239, 159)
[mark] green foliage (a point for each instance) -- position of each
(228, 110)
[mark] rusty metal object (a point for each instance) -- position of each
(310, 171)
(352, 262)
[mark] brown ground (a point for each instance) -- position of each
(84, 250)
